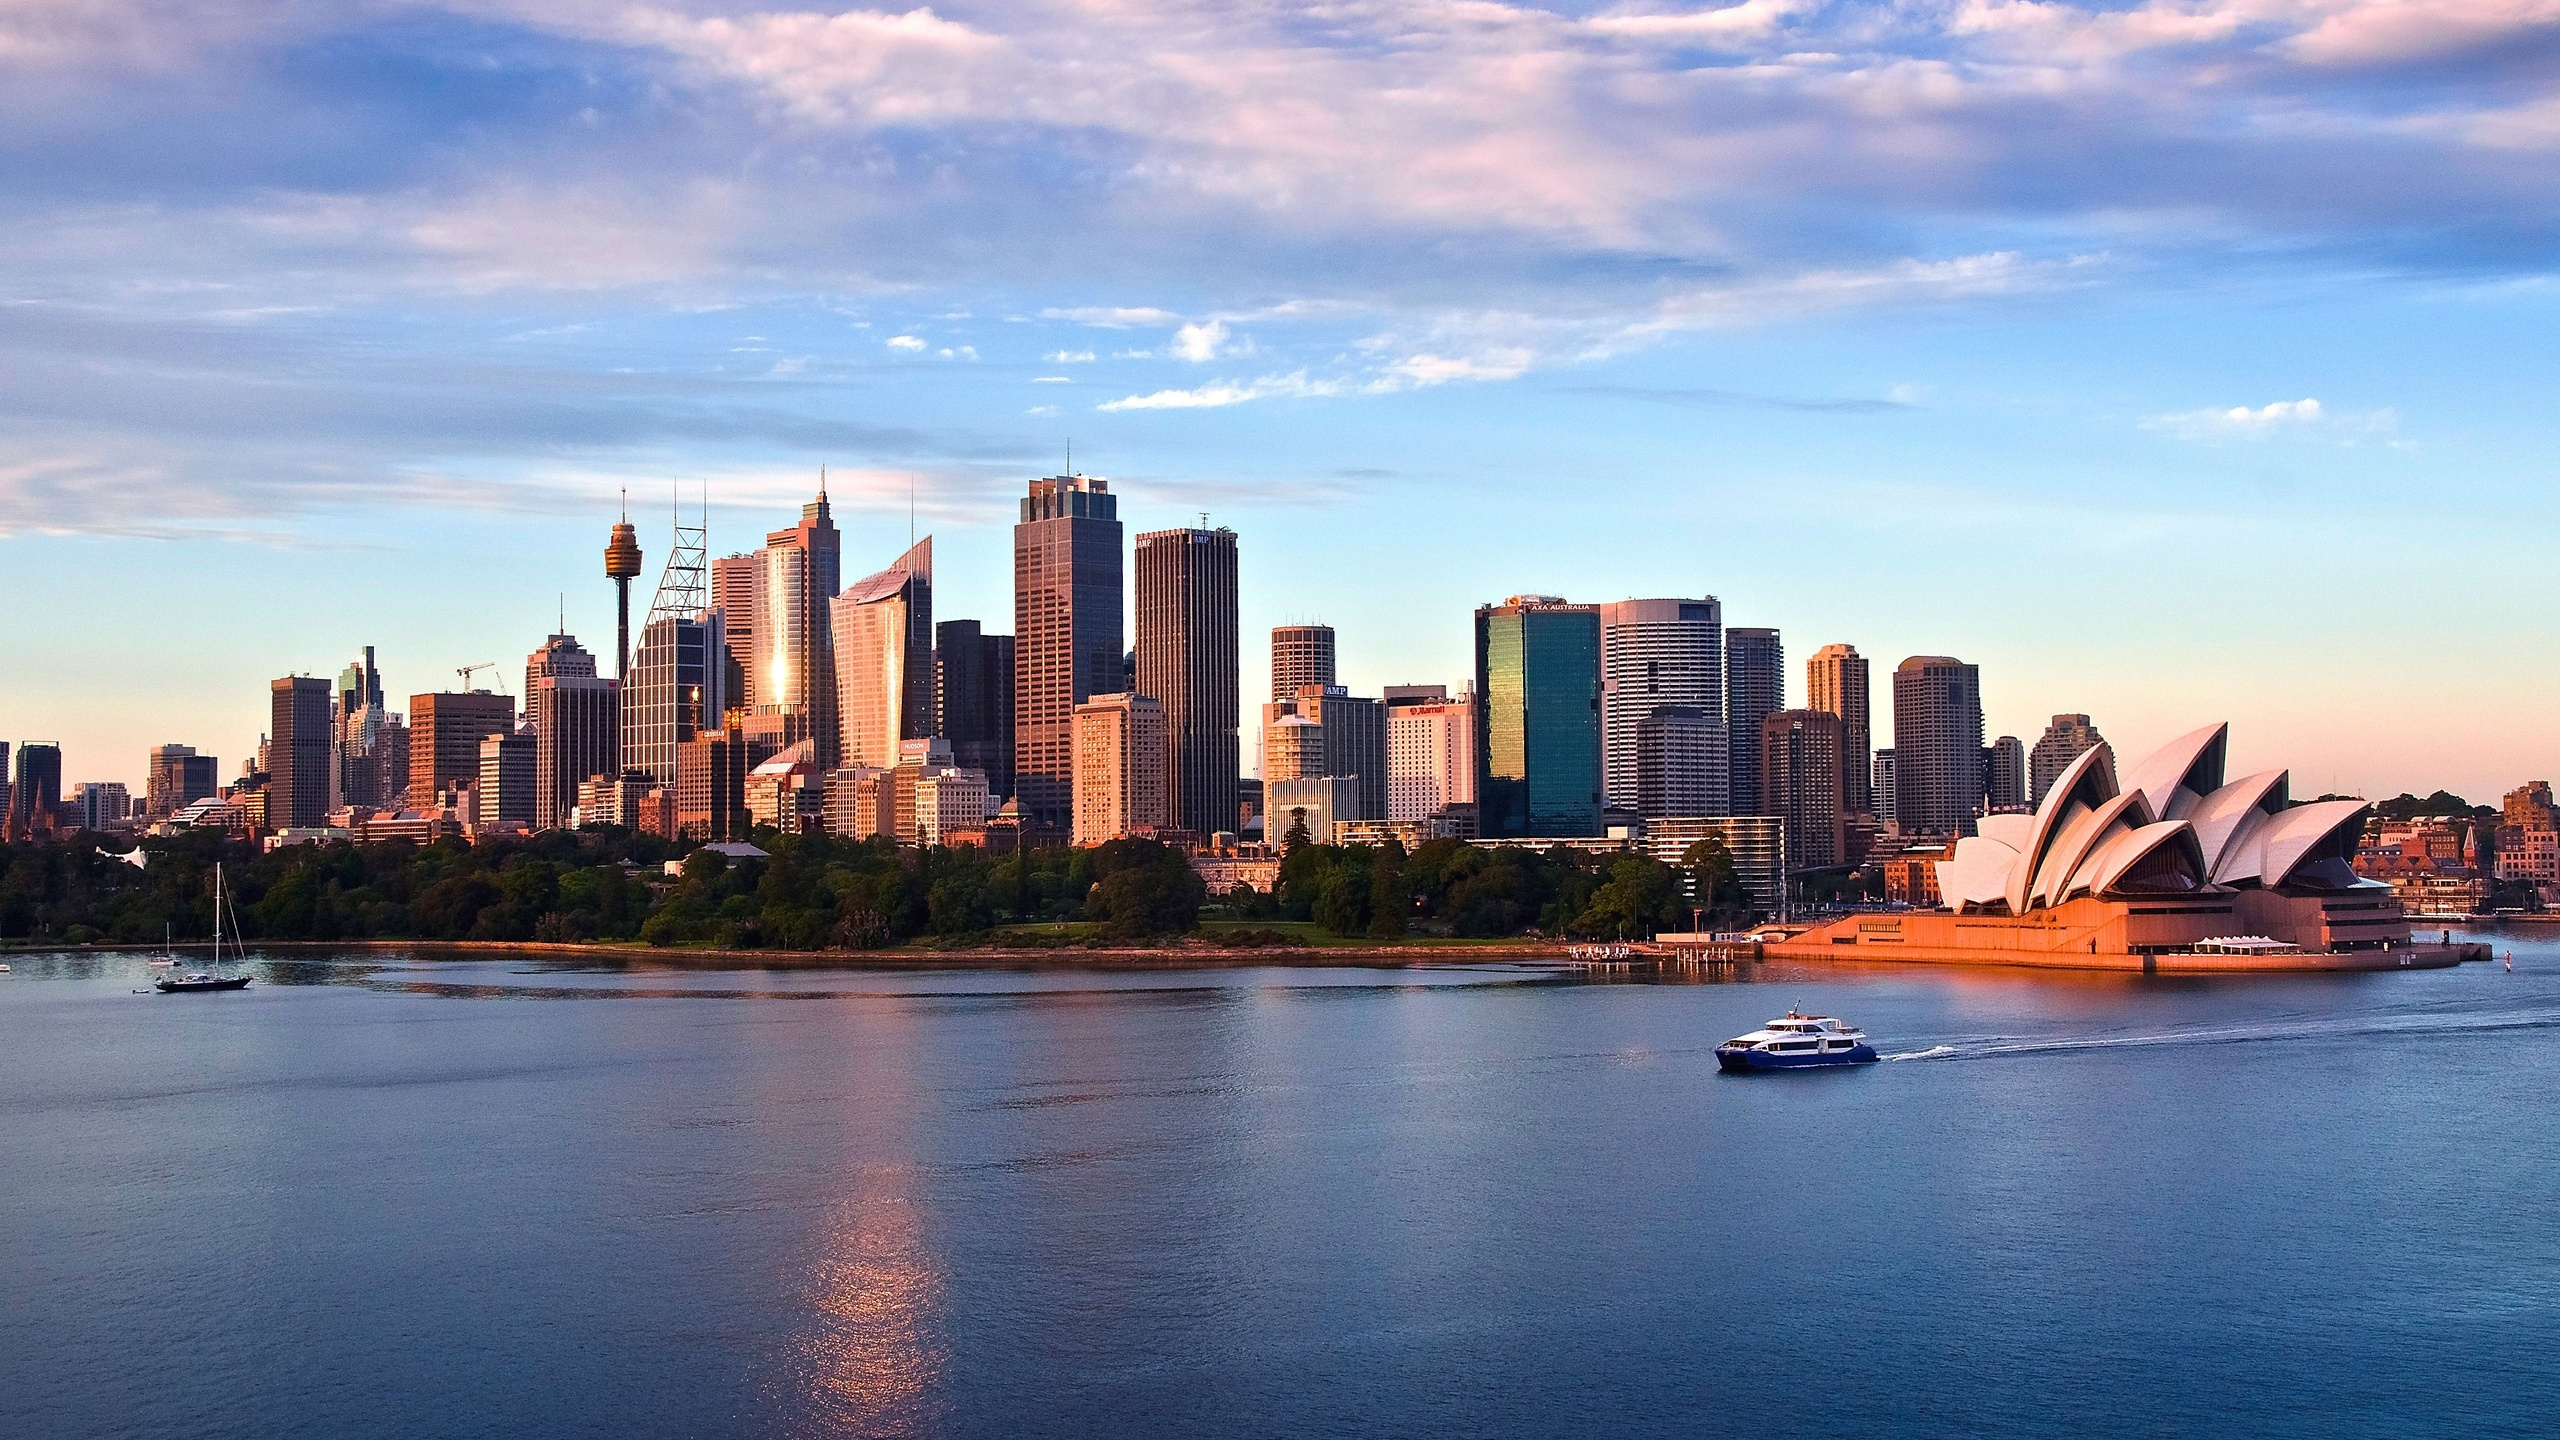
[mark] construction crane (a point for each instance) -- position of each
(466, 672)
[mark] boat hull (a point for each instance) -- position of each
(1746, 1062)
(190, 987)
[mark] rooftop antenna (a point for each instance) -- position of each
(1204, 519)
(1071, 455)
(564, 612)
(822, 482)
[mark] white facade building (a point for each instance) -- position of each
(1431, 757)
(1657, 653)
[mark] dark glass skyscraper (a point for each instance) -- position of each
(1755, 687)
(1067, 632)
(301, 752)
(1187, 662)
(973, 678)
(37, 790)
(1538, 709)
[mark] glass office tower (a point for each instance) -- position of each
(1538, 679)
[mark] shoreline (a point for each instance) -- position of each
(1156, 957)
(1557, 956)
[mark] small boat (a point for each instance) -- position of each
(168, 957)
(1795, 1042)
(198, 982)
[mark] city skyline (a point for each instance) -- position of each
(363, 328)
(1255, 664)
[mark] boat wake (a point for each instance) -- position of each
(1996, 1047)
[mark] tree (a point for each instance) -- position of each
(1713, 887)
(1297, 834)
(1140, 901)
(1640, 899)
(1387, 900)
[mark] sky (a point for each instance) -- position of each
(2174, 362)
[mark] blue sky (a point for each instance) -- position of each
(2174, 362)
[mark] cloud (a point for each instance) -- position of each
(1113, 317)
(1499, 364)
(1200, 343)
(1294, 386)
(2275, 417)
(1387, 197)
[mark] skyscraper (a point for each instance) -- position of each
(2061, 743)
(737, 588)
(1353, 742)
(1656, 653)
(369, 775)
(1119, 767)
(795, 671)
(1067, 632)
(1883, 787)
(1755, 665)
(445, 731)
(1187, 661)
(1835, 682)
(1431, 754)
(510, 775)
(559, 654)
(2004, 785)
(36, 795)
(100, 803)
(178, 777)
(301, 752)
(1800, 753)
(1937, 745)
(575, 715)
(1538, 731)
(1301, 655)
(711, 786)
(973, 678)
(883, 631)
(676, 692)
(1681, 754)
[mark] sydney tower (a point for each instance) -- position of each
(622, 561)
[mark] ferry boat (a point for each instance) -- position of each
(1795, 1042)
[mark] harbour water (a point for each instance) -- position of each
(381, 1195)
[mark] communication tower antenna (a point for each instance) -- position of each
(682, 591)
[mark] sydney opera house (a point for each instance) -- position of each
(2168, 867)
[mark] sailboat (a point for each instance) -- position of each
(168, 957)
(208, 980)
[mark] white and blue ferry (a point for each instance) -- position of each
(1796, 1042)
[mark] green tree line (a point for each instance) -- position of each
(816, 892)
